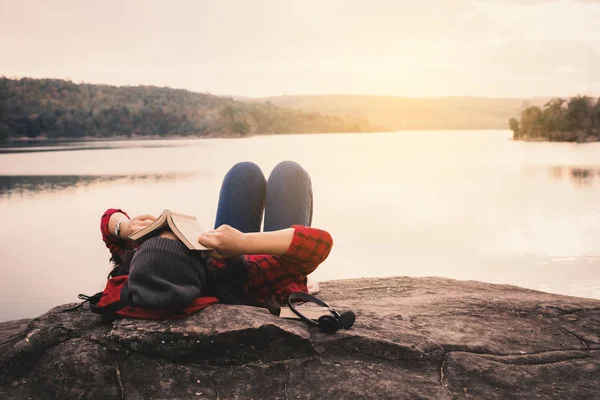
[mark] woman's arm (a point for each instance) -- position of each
(114, 244)
(117, 217)
(296, 245)
(274, 243)
(227, 242)
(108, 223)
(128, 226)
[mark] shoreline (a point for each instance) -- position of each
(112, 138)
(589, 139)
(41, 139)
(544, 140)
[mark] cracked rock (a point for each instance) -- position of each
(426, 338)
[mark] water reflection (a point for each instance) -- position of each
(38, 184)
(51, 148)
(582, 176)
(41, 146)
(579, 176)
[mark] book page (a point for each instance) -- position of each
(188, 228)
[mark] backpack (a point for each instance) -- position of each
(115, 301)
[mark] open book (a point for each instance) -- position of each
(185, 227)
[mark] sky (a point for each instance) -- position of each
(258, 48)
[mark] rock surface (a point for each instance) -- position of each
(425, 338)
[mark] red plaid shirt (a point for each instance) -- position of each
(268, 276)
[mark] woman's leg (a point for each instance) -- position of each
(289, 198)
(289, 201)
(242, 198)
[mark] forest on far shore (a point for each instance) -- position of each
(54, 108)
(560, 120)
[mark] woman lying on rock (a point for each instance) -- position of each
(160, 277)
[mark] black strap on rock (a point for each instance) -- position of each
(327, 323)
(91, 299)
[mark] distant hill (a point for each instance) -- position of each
(58, 108)
(397, 113)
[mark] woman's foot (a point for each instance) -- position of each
(312, 285)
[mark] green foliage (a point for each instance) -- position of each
(531, 121)
(513, 124)
(578, 112)
(574, 120)
(57, 108)
(554, 116)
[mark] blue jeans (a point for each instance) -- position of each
(285, 199)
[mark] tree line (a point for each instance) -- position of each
(55, 108)
(573, 120)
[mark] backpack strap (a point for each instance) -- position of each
(110, 308)
(91, 299)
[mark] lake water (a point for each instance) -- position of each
(466, 205)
